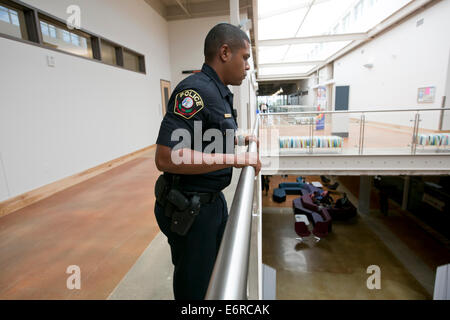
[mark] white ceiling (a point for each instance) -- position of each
(291, 39)
(297, 36)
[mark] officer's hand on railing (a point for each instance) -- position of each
(252, 138)
(245, 140)
(248, 159)
(257, 167)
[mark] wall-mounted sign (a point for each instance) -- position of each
(321, 105)
(426, 95)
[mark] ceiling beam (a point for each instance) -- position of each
(314, 39)
(305, 4)
(290, 64)
(183, 8)
(204, 9)
(297, 76)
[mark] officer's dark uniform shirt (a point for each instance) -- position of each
(201, 97)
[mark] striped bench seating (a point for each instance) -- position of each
(288, 142)
(438, 139)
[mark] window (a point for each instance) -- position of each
(336, 29)
(48, 30)
(20, 21)
(108, 53)
(130, 61)
(345, 23)
(12, 22)
(57, 36)
(357, 10)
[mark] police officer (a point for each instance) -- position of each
(191, 209)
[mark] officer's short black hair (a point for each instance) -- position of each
(224, 33)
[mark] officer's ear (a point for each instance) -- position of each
(225, 53)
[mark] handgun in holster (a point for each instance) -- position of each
(186, 210)
(177, 207)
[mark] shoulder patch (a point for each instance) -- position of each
(188, 103)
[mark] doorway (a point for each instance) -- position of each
(165, 95)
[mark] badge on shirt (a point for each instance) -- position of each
(188, 103)
(227, 115)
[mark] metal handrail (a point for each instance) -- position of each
(348, 111)
(229, 277)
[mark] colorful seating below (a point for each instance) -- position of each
(293, 191)
(305, 142)
(321, 220)
(291, 185)
(438, 139)
(301, 226)
(337, 213)
(279, 195)
(323, 225)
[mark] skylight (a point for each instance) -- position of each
(338, 22)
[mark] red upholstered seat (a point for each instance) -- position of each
(321, 228)
(301, 228)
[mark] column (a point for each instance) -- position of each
(365, 187)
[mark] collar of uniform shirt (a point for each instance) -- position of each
(210, 72)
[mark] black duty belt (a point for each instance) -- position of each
(205, 198)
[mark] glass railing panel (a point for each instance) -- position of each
(336, 133)
(279, 133)
(356, 133)
(388, 132)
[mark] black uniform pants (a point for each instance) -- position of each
(194, 254)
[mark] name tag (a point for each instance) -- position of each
(227, 115)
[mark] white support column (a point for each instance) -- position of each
(365, 187)
(235, 20)
(406, 192)
(234, 12)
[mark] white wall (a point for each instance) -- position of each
(56, 122)
(446, 115)
(307, 84)
(187, 38)
(405, 59)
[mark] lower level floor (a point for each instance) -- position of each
(339, 265)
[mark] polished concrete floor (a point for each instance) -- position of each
(336, 266)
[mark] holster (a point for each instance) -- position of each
(182, 220)
(162, 188)
(178, 207)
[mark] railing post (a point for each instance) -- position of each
(311, 135)
(415, 133)
(362, 126)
